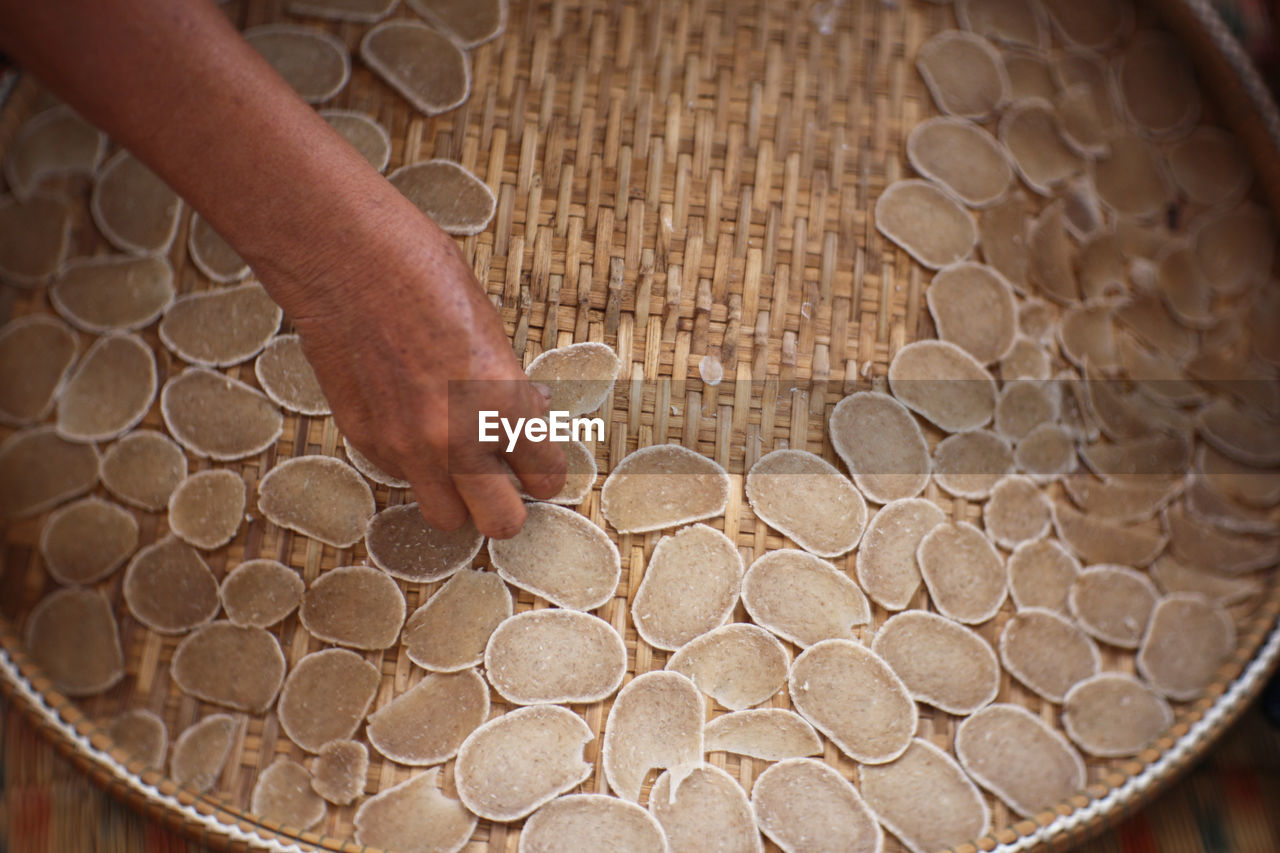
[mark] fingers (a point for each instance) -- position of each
(489, 494)
(438, 501)
(539, 465)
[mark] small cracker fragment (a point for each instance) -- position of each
(218, 328)
(73, 637)
(1046, 453)
(1041, 574)
(1009, 22)
(85, 541)
(709, 803)
(1171, 575)
(54, 142)
(579, 375)
(318, 496)
(450, 631)
(111, 390)
(591, 822)
(803, 805)
(222, 663)
(1023, 405)
(169, 588)
(403, 545)
(690, 586)
(802, 598)
(770, 734)
(661, 486)
(1121, 498)
(35, 235)
(260, 593)
(972, 307)
(1130, 178)
(36, 354)
(964, 74)
(469, 23)
(1206, 546)
(1113, 715)
(414, 817)
(354, 606)
(1051, 254)
(1210, 166)
(113, 293)
(133, 208)
(219, 417)
(881, 445)
(1187, 639)
(454, 198)
(957, 811)
(143, 468)
(886, 563)
(1113, 603)
(1097, 539)
(1046, 652)
(1017, 512)
(364, 133)
(422, 64)
(969, 464)
(39, 469)
(283, 795)
(561, 556)
(944, 384)
(828, 684)
(213, 255)
(1002, 233)
(928, 222)
(325, 697)
(1090, 23)
(201, 751)
(362, 464)
(1019, 758)
(313, 62)
(207, 508)
(141, 735)
(427, 723)
(962, 157)
(1032, 132)
(655, 722)
(338, 771)
(963, 571)
(805, 498)
(552, 655)
(1239, 434)
(738, 665)
(941, 663)
(515, 763)
(1157, 85)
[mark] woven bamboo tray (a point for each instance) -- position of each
(673, 179)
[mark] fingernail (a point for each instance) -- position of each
(544, 390)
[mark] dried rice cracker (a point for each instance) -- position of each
(427, 723)
(201, 751)
(36, 354)
(1026, 359)
(414, 817)
(143, 468)
(661, 486)
(655, 722)
(886, 562)
(1123, 499)
(881, 445)
(1045, 453)
(206, 509)
(1186, 292)
(212, 254)
(169, 588)
(1087, 333)
(454, 198)
(1153, 454)
(709, 803)
(1024, 405)
(362, 464)
(1081, 67)
(1019, 758)
(592, 822)
(579, 478)
(318, 496)
(957, 812)
(969, 464)
(580, 376)
(110, 391)
(1146, 316)
(553, 655)
(1101, 266)
(450, 631)
(133, 208)
(1010, 22)
(33, 237)
(1121, 413)
(422, 64)
(926, 221)
(1032, 133)
(973, 307)
(326, 696)
(961, 156)
(260, 593)
(219, 417)
(1245, 483)
(1238, 434)
(1210, 166)
(802, 598)
(1029, 76)
(739, 665)
(1041, 574)
(803, 805)
(1046, 652)
(217, 328)
(403, 545)
(828, 683)
(1113, 603)
(141, 735)
(39, 470)
(283, 795)
(1090, 23)
(1113, 715)
(1002, 232)
(1130, 179)
(1082, 128)
(515, 763)
(963, 571)
(1037, 320)
(1017, 512)
(338, 771)
(365, 135)
(944, 384)
(770, 734)
(1208, 505)
(1171, 575)
(1234, 251)
(360, 11)
(1156, 85)
(561, 556)
(313, 62)
(470, 24)
(112, 292)
(1050, 255)
(288, 378)
(86, 541)
(690, 586)
(941, 663)
(72, 636)
(53, 142)
(1206, 546)
(354, 606)
(964, 74)
(222, 663)
(1187, 639)
(810, 502)
(1099, 539)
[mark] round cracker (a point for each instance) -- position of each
(354, 606)
(709, 803)
(1156, 85)
(288, 378)
(219, 417)
(1017, 512)
(1210, 166)
(422, 64)
(84, 542)
(802, 598)
(973, 307)
(142, 736)
(886, 563)
(402, 544)
(592, 822)
(206, 509)
(414, 813)
(881, 445)
(1113, 603)
(201, 751)
(1187, 639)
(222, 663)
(944, 384)
(964, 74)
(364, 133)
(338, 771)
(963, 571)
(451, 630)
(929, 223)
(1019, 758)
(470, 23)
(1031, 131)
(36, 354)
(1041, 574)
(313, 62)
(55, 141)
(805, 498)
(283, 795)
(969, 464)
(318, 496)
(560, 656)
(219, 328)
(770, 734)
(941, 663)
(801, 799)
(111, 390)
(325, 697)
(655, 722)
(579, 376)
(429, 722)
(143, 468)
(958, 812)
(1047, 653)
(213, 255)
(113, 293)
(690, 586)
(1113, 715)
(739, 665)
(454, 198)
(561, 556)
(168, 587)
(133, 208)
(72, 636)
(260, 593)
(962, 157)
(661, 486)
